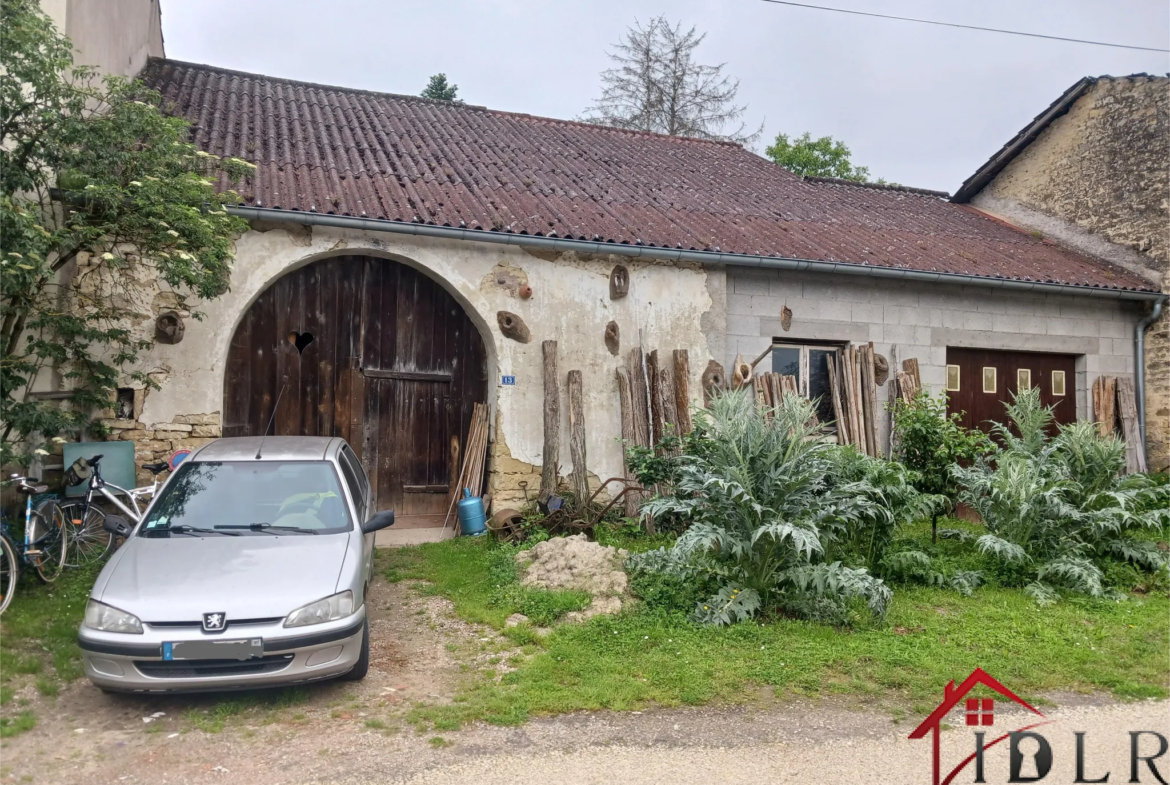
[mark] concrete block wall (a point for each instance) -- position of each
(924, 319)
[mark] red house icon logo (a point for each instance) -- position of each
(979, 712)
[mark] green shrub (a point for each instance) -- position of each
(929, 442)
(1057, 508)
(766, 502)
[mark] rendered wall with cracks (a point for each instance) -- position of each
(669, 306)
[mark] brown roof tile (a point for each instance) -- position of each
(353, 152)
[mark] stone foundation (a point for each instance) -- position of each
(157, 441)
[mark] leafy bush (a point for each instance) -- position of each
(1056, 508)
(763, 499)
(929, 442)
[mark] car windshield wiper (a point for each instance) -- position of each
(265, 527)
(183, 529)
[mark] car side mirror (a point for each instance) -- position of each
(116, 524)
(380, 521)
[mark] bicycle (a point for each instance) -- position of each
(91, 541)
(45, 543)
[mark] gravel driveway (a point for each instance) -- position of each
(342, 733)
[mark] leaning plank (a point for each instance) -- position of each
(580, 475)
(657, 417)
(847, 395)
(666, 396)
(552, 422)
(862, 426)
(891, 400)
(835, 395)
(626, 403)
(640, 393)
(910, 366)
(871, 400)
(1104, 404)
(682, 390)
(1127, 408)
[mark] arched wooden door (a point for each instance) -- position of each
(370, 350)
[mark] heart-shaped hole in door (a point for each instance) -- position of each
(300, 340)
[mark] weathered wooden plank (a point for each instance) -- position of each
(580, 474)
(552, 421)
(1127, 409)
(835, 396)
(682, 390)
(640, 393)
(629, 437)
(1104, 405)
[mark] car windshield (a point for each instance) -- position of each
(265, 497)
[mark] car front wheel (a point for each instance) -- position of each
(363, 664)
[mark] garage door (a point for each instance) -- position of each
(979, 381)
(370, 350)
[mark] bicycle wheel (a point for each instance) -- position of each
(52, 546)
(89, 542)
(9, 572)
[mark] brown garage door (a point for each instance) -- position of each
(979, 381)
(370, 350)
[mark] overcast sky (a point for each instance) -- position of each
(919, 105)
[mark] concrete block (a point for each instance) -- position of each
(816, 330)
(990, 304)
(1033, 325)
(740, 324)
(821, 291)
(1078, 327)
(739, 304)
(788, 289)
(1115, 329)
(868, 313)
(1005, 323)
(1097, 364)
(965, 320)
(904, 334)
(751, 284)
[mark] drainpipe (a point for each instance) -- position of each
(1139, 341)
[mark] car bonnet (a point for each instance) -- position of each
(252, 576)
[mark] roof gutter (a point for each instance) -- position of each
(1139, 350)
(674, 254)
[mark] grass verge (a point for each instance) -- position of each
(931, 636)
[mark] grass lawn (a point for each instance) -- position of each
(931, 636)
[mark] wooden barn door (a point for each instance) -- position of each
(369, 350)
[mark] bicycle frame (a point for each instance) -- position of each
(99, 485)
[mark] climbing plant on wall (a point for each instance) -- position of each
(100, 192)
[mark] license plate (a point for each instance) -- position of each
(244, 649)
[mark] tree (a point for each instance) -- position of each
(930, 443)
(808, 157)
(440, 90)
(656, 85)
(101, 199)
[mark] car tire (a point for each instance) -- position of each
(362, 667)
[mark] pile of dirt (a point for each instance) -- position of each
(576, 563)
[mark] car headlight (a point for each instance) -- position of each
(99, 616)
(336, 607)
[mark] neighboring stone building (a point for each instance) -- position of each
(1092, 172)
(116, 37)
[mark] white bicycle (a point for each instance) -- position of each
(89, 540)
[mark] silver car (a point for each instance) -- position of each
(250, 569)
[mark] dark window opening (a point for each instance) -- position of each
(124, 404)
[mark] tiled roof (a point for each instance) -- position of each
(353, 152)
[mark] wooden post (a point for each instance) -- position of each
(682, 390)
(858, 396)
(910, 366)
(639, 392)
(626, 401)
(580, 476)
(657, 420)
(666, 401)
(552, 422)
(891, 399)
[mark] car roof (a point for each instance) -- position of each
(270, 448)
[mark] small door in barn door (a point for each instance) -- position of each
(369, 350)
(980, 381)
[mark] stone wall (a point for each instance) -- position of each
(1098, 180)
(924, 319)
(157, 441)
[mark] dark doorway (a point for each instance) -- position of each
(370, 350)
(979, 381)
